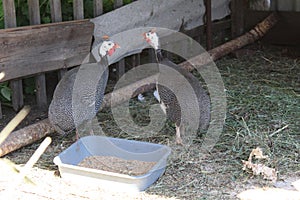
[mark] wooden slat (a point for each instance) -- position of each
(98, 7)
(120, 66)
(118, 4)
(208, 24)
(41, 94)
(34, 49)
(78, 11)
(17, 94)
(34, 12)
(55, 6)
(136, 60)
(9, 13)
(238, 17)
(1, 115)
(56, 16)
(40, 79)
(9, 22)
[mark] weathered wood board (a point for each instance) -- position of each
(34, 49)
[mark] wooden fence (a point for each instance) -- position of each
(35, 49)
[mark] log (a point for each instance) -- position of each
(25, 136)
(40, 129)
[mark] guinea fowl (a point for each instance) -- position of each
(62, 112)
(168, 100)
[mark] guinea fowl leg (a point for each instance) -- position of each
(179, 132)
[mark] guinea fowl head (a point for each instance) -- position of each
(152, 38)
(108, 47)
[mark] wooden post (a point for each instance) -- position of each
(118, 4)
(10, 22)
(40, 80)
(78, 9)
(56, 16)
(238, 8)
(98, 7)
(55, 6)
(120, 66)
(208, 24)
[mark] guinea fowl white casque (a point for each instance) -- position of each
(168, 99)
(61, 111)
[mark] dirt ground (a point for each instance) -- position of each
(263, 97)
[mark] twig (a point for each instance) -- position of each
(13, 191)
(279, 130)
(266, 59)
(14, 123)
(190, 183)
(34, 158)
(2, 75)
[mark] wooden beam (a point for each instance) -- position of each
(43, 48)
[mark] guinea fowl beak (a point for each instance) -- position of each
(117, 46)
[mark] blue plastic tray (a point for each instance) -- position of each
(68, 160)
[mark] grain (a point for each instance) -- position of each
(117, 165)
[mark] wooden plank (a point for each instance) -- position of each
(55, 6)
(118, 4)
(9, 22)
(40, 48)
(1, 115)
(34, 12)
(238, 8)
(40, 79)
(208, 24)
(56, 16)
(41, 94)
(120, 66)
(17, 96)
(9, 13)
(98, 7)
(78, 9)
(136, 60)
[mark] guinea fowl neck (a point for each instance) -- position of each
(159, 55)
(104, 60)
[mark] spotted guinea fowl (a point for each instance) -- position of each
(76, 84)
(167, 98)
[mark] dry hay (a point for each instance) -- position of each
(263, 110)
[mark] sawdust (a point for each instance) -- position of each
(117, 165)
